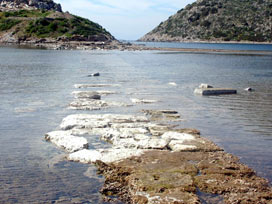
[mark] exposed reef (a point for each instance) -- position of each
(149, 159)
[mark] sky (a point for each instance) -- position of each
(125, 19)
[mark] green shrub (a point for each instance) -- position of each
(6, 24)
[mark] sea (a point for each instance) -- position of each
(36, 87)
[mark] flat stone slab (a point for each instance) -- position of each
(65, 140)
(93, 104)
(214, 91)
(104, 155)
(81, 121)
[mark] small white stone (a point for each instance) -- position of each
(172, 84)
(136, 100)
(178, 146)
(205, 86)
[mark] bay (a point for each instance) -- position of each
(36, 87)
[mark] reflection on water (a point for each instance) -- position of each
(36, 86)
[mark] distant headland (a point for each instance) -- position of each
(217, 21)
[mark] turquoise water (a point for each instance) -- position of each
(36, 86)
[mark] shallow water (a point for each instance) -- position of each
(220, 46)
(36, 86)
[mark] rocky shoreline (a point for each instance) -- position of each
(149, 159)
(117, 45)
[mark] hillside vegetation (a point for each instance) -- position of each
(217, 20)
(24, 25)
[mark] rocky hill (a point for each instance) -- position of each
(11, 5)
(37, 21)
(217, 20)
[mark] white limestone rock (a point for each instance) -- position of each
(104, 155)
(65, 140)
(85, 156)
(205, 86)
(179, 146)
(136, 100)
(92, 104)
(80, 121)
(144, 143)
(172, 84)
(111, 134)
(169, 136)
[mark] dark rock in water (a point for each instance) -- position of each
(249, 89)
(94, 75)
(86, 95)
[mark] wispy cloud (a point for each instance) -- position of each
(125, 19)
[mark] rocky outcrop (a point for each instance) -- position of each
(217, 20)
(148, 159)
(183, 177)
(10, 5)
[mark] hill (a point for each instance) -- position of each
(35, 21)
(217, 20)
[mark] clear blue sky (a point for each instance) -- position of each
(125, 19)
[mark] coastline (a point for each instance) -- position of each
(213, 41)
(127, 46)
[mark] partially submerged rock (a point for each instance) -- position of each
(93, 104)
(205, 86)
(65, 140)
(98, 121)
(214, 91)
(172, 84)
(162, 114)
(86, 95)
(249, 89)
(104, 155)
(94, 74)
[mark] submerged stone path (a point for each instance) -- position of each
(150, 160)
